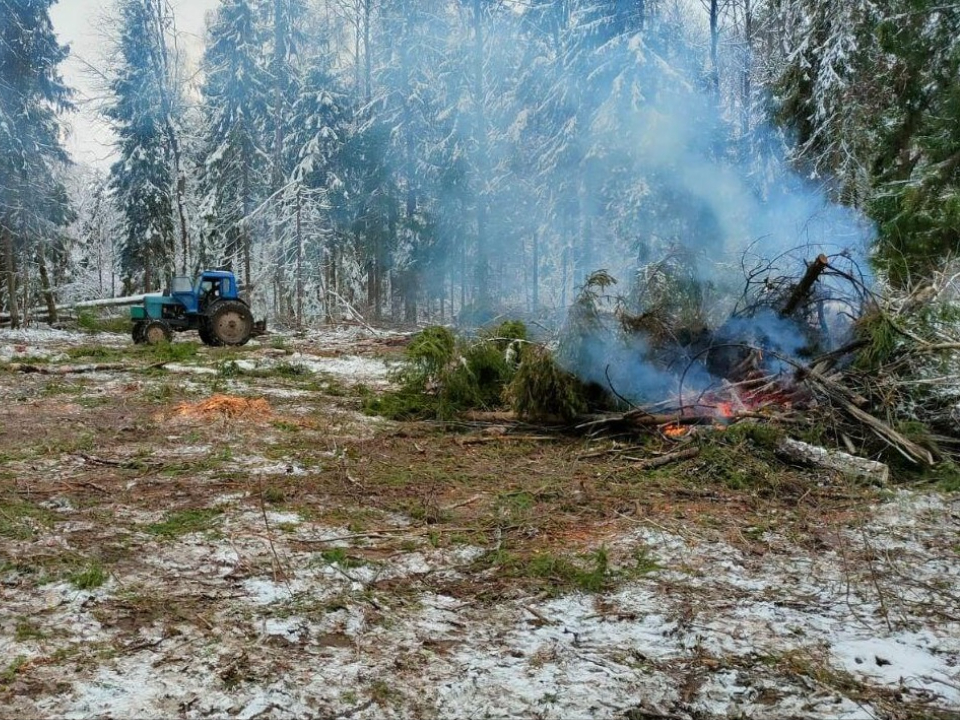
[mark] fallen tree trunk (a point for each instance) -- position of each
(68, 369)
(78, 369)
(808, 454)
(44, 310)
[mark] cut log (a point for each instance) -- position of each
(808, 454)
(43, 311)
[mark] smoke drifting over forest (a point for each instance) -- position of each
(666, 193)
(425, 161)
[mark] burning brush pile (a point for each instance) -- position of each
(806, 347)
(844, 376)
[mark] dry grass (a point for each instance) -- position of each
(225, 406)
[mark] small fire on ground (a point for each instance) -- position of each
(723, 407)
(675, 431)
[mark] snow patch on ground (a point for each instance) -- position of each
(189, 369)
(347, 368)
(37, 336)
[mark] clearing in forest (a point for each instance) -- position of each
(190, 531)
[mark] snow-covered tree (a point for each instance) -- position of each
(320, 125)
(33, 202)
(233, 163)
(142, 178)
(871, 91)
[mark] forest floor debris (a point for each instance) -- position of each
(321, 562)
(225, 405)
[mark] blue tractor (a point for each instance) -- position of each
(211, 306)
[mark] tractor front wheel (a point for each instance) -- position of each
(230, 322)
(156, 331)
(137, 332)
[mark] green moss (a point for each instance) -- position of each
(944, 476)
(99, 353)
(27, 630)
(19, 520)
(90, 577)
(274, 495)
(555, 573)
(183, 522)
(339, 556)
(288, 370)
(171, 351)
(765, 436)
(404, 404)
(739, 464)
(10, 672)
(60, 387)
(32, 360)
(947, 476)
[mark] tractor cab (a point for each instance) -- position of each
(214, 285)
(211, 286)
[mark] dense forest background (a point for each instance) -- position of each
(421, 159)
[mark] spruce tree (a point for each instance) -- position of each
(141, 177)
(235, 106)
(871, 91)
(320, 126)
(33, 203)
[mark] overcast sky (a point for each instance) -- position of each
(84, 24)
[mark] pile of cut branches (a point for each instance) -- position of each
(847, 376)
(815, 351)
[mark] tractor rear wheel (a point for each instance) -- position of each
(206, 336)
(230, 322)
(137, 332)
(156, 331)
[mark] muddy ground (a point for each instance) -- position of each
(196, 532)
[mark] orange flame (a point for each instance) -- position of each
(725, 409)
(675, 431)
